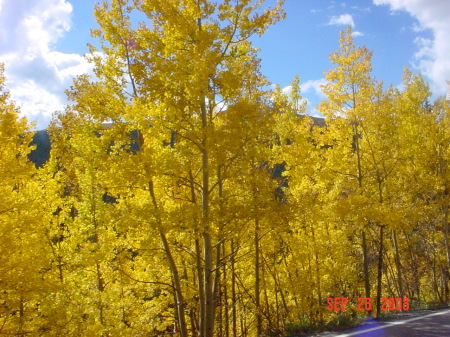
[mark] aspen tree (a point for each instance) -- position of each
(114, 297)
(346, 89)
(187, 81)
(414, 126)
(358, 118)
(24, 260)
(440, 172)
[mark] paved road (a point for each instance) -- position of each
(419, 324)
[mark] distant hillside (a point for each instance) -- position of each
(41, 154)
(318, 121)
(41, 139)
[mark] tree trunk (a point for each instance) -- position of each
(173, 267)
(233, 290)
(225, 296)
(318, 277)
(398, 265)
(257, 282)
(101, 288)
(216, 281)
(208, 285)
(207, 246)
(201, 293)
(447, 249)
(177, 284)
(366, 269)
(380, 271)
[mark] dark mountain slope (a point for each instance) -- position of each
(41, 139)
(41, 154)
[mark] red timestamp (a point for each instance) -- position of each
(365, 303)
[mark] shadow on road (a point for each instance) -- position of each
(422, 323)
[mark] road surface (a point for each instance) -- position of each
(429, 323)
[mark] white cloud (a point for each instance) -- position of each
(342, 20)
(287, 90)
(417, 28)
(311, 92)
(362, 9)
(311, 86)
(34, 98)
(432, 59)
(37, 75)
(314, 112)
(448, 92)
(314, 86)
(357, 34)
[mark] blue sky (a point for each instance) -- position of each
(42, 43)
